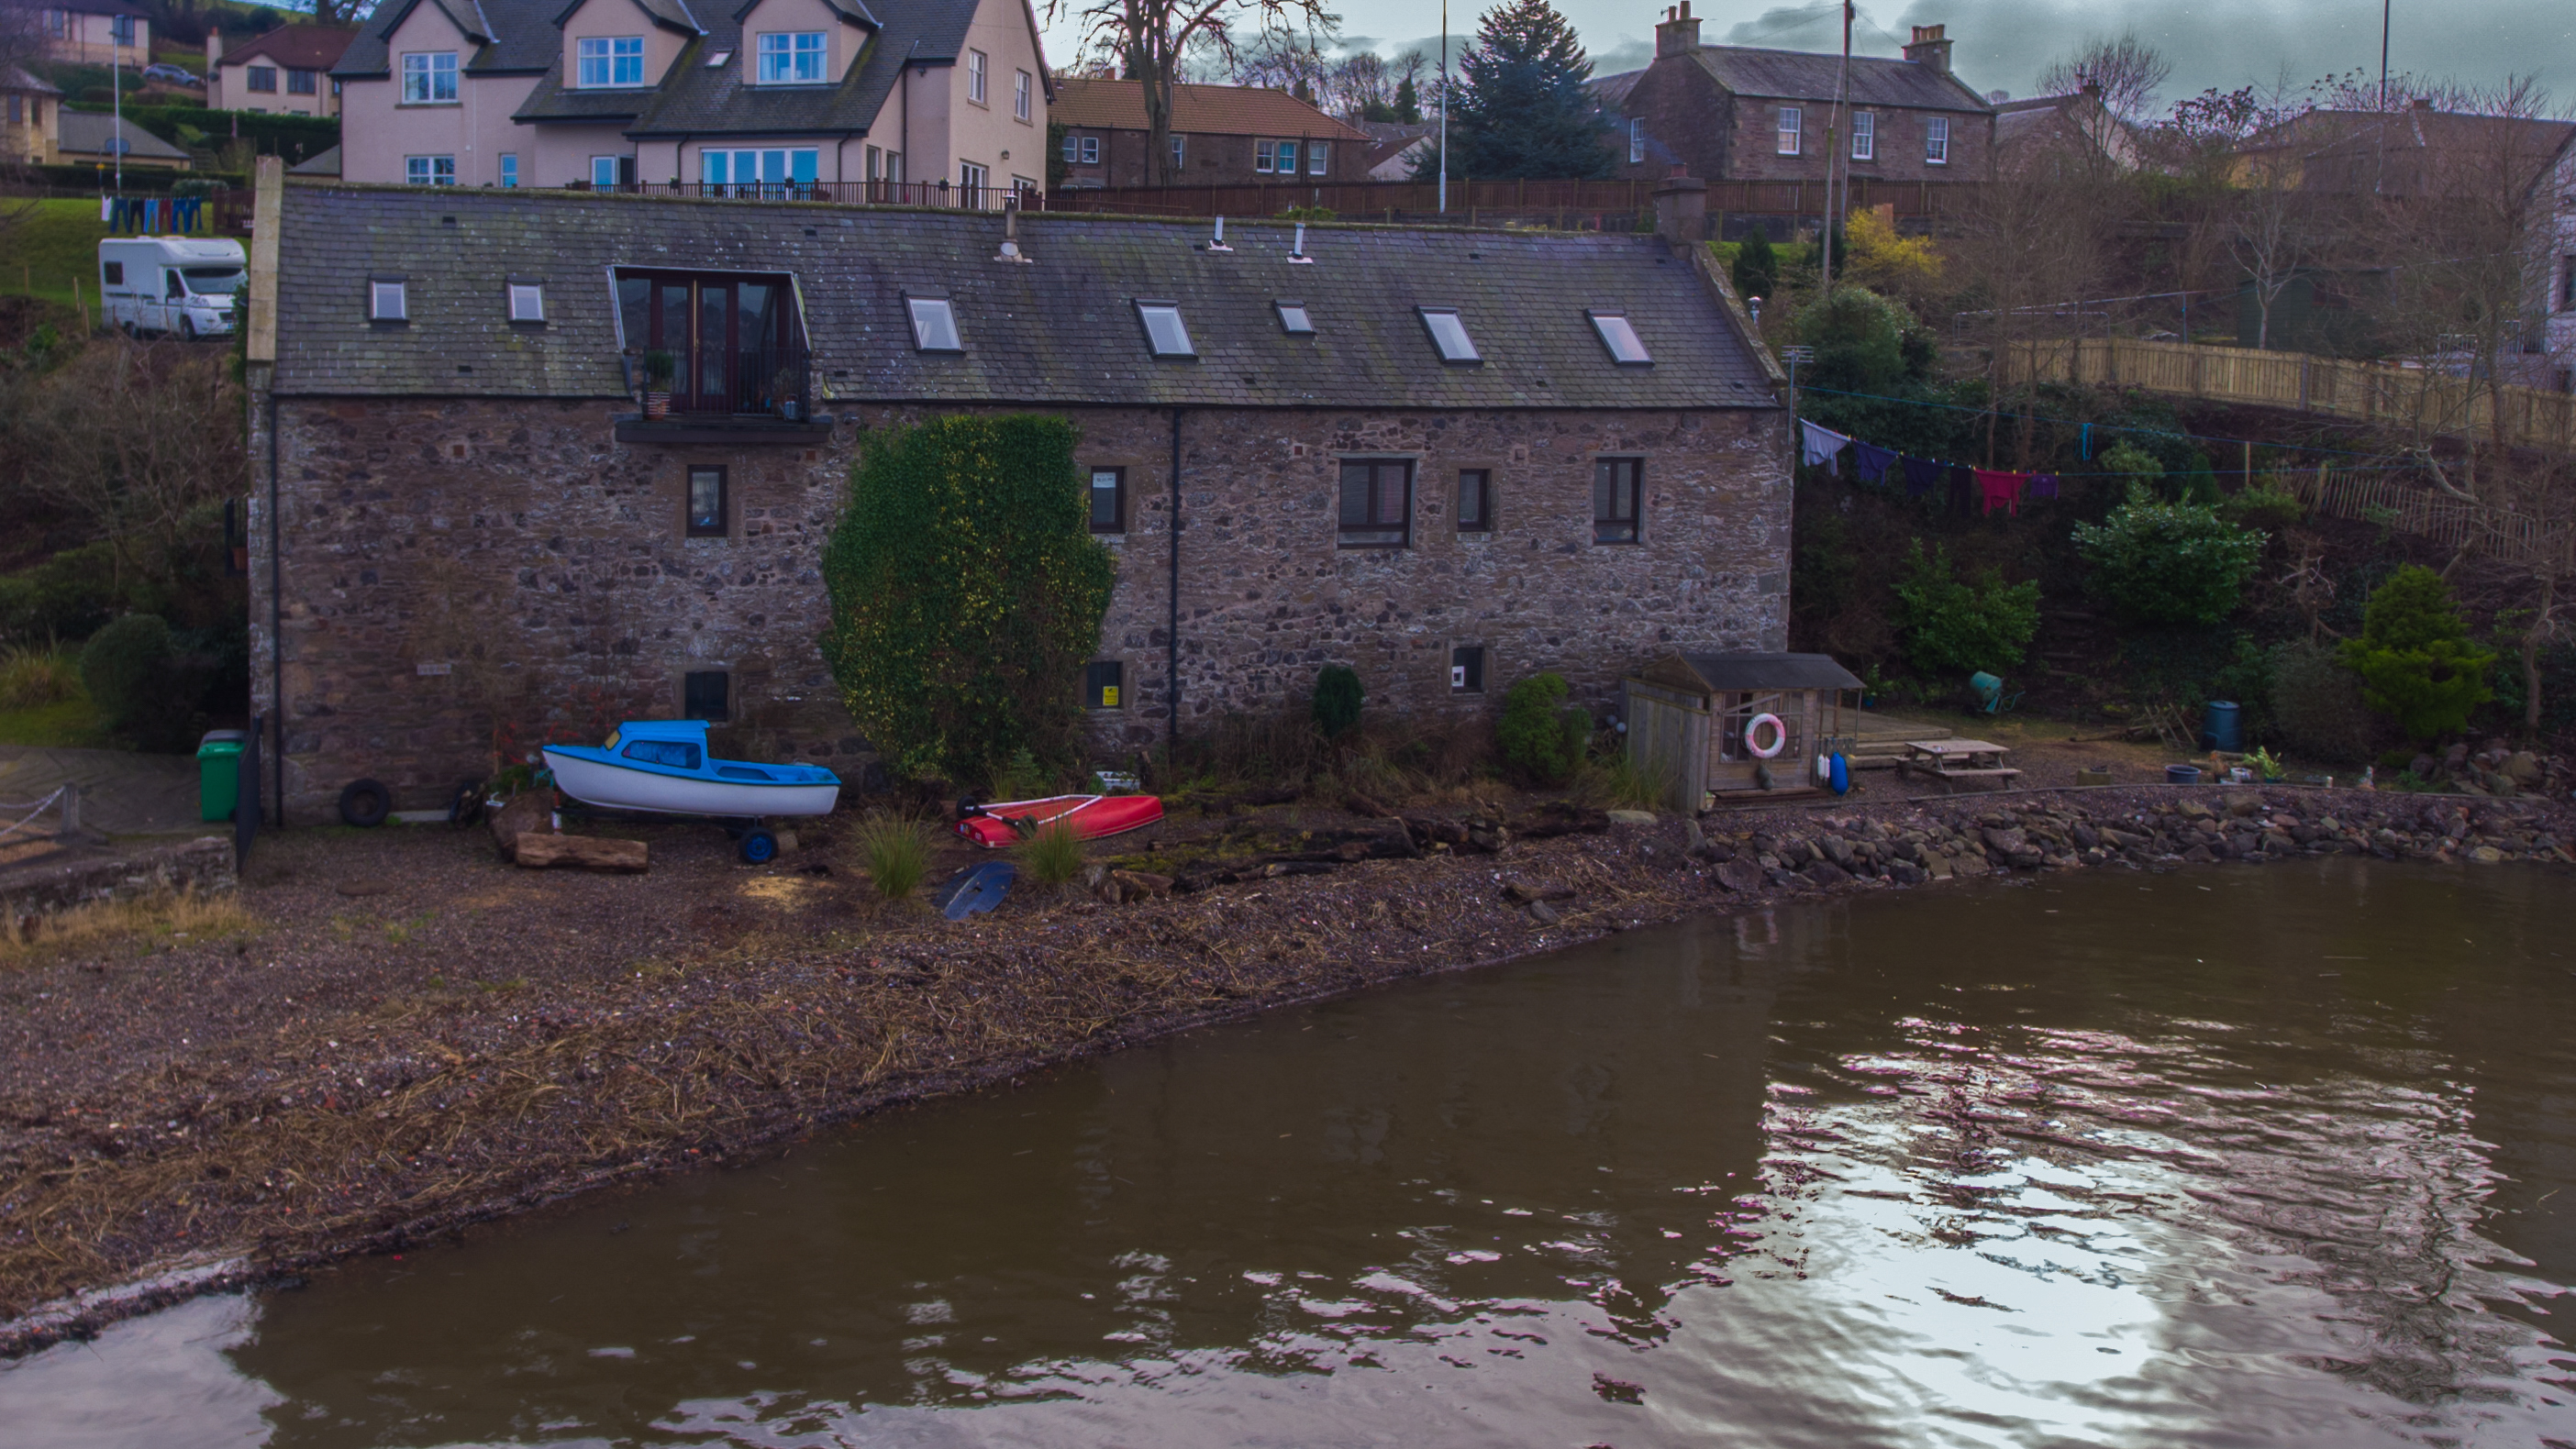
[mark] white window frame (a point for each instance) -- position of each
(973, 180)
(429, 78)
(1449, 336)
(603, 172)
(773, 167)
(526, 301)
(1636, 141)
(1166, 335)
(509, 169)
(1792, 123)
(388, 300)
(975, 64)
(1091, 150)
(934, 324)
(790, 58)
(429, 170)
(1864, 137)
(1319, 157)
(608, 62)
(1261, 157)
(1936, 141)
(1180, 151)
(1023, 86)
(1619, 336)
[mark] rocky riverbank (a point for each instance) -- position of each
(418, 1038)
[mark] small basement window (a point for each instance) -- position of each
(705, 694)
(1449, 335)
(707, 502)
(527, 302)
(1294, 321)
(1109, 500)
(934, 324)
(1103, 684)
(1620, 336)
(385, 301)
(1467, 669)
(1165, 335)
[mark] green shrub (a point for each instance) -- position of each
(2414, 657)
(1542, 736)
(2129, 462)
(1954, 625)
(967, 592)
(1756, 271)
(896, 849)
(1859, 338)
(31, 678)
(144, 689)
(65, 597)
(2317, 707)
(2266, 505)
(2168, 563)
(1337, 700)
(1053, 856)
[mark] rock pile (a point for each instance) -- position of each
(2498, 770)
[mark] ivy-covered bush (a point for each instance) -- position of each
(967, 593)
(1949, 624)
(2414, 657)
(1338, 697)
(1542, 736)
(2168, 563)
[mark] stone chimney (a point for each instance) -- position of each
(1681, 208)
(1679, 34)
(1930, 48)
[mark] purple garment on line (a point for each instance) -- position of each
(1870, 462)
(1922, 476)
(2042, 485)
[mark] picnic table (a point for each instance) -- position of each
(1957, 760)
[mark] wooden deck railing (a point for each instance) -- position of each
(2418, 399)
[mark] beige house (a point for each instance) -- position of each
(30, 118)
(286, 72)
(94, 32)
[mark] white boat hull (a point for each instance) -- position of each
(614, 787)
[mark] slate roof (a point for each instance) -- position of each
(1198, 110)
(1802, 75)
(296, 47)
(1750, 671)
(323, 163)
(86, 133)
(1059, 331)
(513, 37)
(14, 79)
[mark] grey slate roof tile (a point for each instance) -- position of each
(1061, 330)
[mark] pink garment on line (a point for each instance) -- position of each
(2000, 488)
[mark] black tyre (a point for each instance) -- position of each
(758, 846)
(365, 804)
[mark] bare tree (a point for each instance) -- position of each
(128, 438)
(1152, 41)
(2126, 70)
(2037, 239)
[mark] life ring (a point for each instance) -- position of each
(1779, 736)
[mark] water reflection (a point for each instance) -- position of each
(2216, 1158)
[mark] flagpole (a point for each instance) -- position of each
(1444, 107)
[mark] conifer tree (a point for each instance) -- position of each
(1408, 103)
(1521, 108)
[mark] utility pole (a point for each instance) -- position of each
(2383, 53)
(116, 103)
(1834, 149)
(1444, 107)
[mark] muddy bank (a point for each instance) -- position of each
(422, 1039)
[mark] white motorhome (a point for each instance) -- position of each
(181, 284)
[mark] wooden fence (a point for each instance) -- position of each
(1565, 204)
(2452, 522)
(2419, 399)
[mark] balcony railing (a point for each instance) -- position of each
(761, 382)
(848, 193)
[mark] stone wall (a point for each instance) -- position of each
(203, 866)
(454, 566)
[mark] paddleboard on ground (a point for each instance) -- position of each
(976, 888)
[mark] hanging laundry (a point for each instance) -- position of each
(2088, 443)
(2042, 485)
(1963, 490)
(1997, 489)
(107, 208)
(1871, 463)
(1820, 447)
(1922, 475)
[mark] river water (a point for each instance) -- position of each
(2235, 1156)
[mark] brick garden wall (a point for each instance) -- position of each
(534, 565)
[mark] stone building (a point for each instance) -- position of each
(1221, 135)
(1741, 113)
(1447, 458)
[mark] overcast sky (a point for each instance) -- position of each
(2003, 44)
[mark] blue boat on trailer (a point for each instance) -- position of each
(662, 767)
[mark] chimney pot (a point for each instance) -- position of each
(1930, 47)
(1679, 32)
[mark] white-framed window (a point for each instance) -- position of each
(790, 57)
(768, 166)
(1864, 136)
(527, 301)
(1449, 335)
(1022, 84)
(1082, 150)
(509, 168)
(975, 76)
(1619, 335)
(1318, 157)
(971, 180)
(607, 173)
(429, 77)
(934, 324)
(1165, 334)
(1180, 152)
(386, 301)
(614, 60)
(1936, 141)
(1636, 141)
(1277, 157)
(430, 170)
(1793, 122)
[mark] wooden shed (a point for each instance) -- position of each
(1687, 715)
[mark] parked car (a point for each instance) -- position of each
(170, 283)
(172, 74)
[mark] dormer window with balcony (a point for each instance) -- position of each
(791, 58)
(711, 345)
(607, 62)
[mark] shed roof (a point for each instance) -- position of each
(87, 133)
(1198, 110)
(1710, 673)
(1061, 329)
(13, 78)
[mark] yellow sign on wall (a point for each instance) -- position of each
(1109, 696)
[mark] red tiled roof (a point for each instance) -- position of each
(296, 47)
(1119, 105)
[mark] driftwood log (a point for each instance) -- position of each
(539, 849)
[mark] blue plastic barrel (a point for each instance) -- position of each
(2223, 725)
(1841, 777)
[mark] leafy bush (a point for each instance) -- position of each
(1954, 625)
(2414, 657)
(2135, 464)
(1860, 341)
(2265, 505)
(2317, 707)
(1542, 736)
(1053, 855)
(1337, 700)
(144, 689)
(1756, 271)
(967, 591)
(2168, 563)
(32, 678)
(896, 849)
(65, 597)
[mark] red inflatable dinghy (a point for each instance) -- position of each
(1008, 822)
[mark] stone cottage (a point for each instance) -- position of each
(1447, 458)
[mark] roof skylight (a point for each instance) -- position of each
(1449, 334)
(1165, 335)
(717, 60)
(527, 302)
(1293, 319)
(934, 324)
(1620, 336)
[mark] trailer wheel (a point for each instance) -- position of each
(758, 847)
(365, 804)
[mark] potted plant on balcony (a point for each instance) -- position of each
(658, 368)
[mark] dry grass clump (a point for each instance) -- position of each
(1053, 856)
(896, 850)
(171, 915)
(31, 678)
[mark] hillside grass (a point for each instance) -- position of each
(49, 246)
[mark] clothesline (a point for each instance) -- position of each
(148, 214)
(1980, 490)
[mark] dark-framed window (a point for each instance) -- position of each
(1104, 685)
(731, 338)
(1377, 502)
(706, 694)
(709, 500)
(1467, 669)
(1475, 500)
(1109, 500)
(1617, 485)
